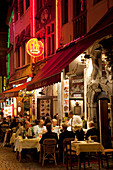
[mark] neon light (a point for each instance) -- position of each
(56, 24)
(34, 47)
(33, 18)
(11, 17)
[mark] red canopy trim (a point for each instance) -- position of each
(14, 91)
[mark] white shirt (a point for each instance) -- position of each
(37, 129)
(76, 120)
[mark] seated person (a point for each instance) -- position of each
(27, 130)
(49, 134)
(84, 122)
(65, 133)
(55, 128)
(80, 134)
(92, 131)
(19, 129)
(40, 128)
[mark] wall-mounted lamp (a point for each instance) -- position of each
(98, 49)
(87, 56)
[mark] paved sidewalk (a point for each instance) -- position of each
(8, 161)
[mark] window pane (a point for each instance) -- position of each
(21, 7)
(27, 3)
(64, 11)
(53, 27)
(18, 57)
(53, 43)
(48, 45)
(48, 30)
(16, 10)
(23, 54)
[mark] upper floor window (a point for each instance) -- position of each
(23, 54)
(79, 6)
(21, 5)
(39, 4)
(64, 4)
(18, 57)
(27, 3)
(96, 1)
(50, 39)
(16, 10)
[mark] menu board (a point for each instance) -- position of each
(66, 95)
(45, 106)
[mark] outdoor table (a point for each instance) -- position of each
(21, 144)
(86, 146)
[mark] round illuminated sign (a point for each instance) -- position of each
(34, 47)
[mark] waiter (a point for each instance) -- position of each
(74, 120)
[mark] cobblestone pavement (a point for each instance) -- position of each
(8, 161)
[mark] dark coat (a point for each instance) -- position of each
(92, 132)
(80, 134)
(49, 135)
(65, 134)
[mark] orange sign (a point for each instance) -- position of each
(34, 47)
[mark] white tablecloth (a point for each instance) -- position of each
(83, 146)
(27, 143)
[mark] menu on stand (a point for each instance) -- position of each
(66, 96)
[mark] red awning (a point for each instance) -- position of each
(14, 92)
(21, 37)
(27, 33)
(64, 57)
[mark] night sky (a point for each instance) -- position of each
(3, 14)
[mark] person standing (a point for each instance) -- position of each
(74, 120)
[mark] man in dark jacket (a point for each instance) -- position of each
(49, 134)
(65, 133)
(92, 131)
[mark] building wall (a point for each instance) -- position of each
(97, 11)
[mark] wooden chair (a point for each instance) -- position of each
(49, 150)
(70, 154)
(108, 155)
(66, 142)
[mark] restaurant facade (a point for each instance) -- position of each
(75, 71)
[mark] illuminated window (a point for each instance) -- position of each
(64, 11)
(21, 5)
(18, 57)
(96, 1)
(27, 3)
(50, 39)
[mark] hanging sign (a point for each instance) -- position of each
(35, 48)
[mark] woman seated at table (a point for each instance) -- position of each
(27, 130)
(92, 131)
(20, 129)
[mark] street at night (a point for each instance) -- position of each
(56, 84)
(8, 161)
